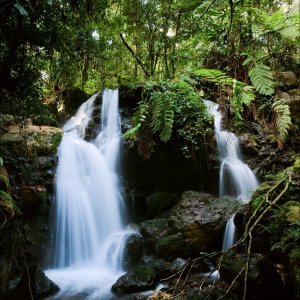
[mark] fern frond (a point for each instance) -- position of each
(282, 119)
(166, 131)
(214, 76)
(162, 106)
(262, 79)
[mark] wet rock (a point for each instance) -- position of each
(133, 251)
(36, 285)
(160, 202)
(170, 246)
(72, 98)
(12, 145)
(33, 195)
(141, 278)
(192, 226)
(201, 219)
(160, 266)
(287, 78)
(263, 282)
(177, 265)
(248, 144)
(153, 230)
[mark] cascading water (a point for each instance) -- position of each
(236, 178)
(89, 234)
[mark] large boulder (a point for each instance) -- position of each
(201, 219)
(141, 278)
(34, 284)
(194, 225)
(133, 251)
(160, 202)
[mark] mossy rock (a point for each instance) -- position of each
(160, 202)
(12, 145)
(7, 206)
(141, 278)
(171, 246)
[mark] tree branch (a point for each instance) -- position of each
(134, 55)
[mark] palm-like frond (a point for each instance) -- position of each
(262, 79)
(282, 119)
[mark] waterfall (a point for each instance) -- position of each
(89, 230)
(236, 178)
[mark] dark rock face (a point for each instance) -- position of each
(72, 98)
(166, 170)
(133, 251)
(141, 278)
(36, 285)
(193, 225)
(263, 282)
(160, 202)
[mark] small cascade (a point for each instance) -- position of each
(89, 227)
(236, 178)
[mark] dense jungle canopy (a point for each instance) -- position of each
(50, 45)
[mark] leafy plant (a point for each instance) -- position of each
(241, 94)
(165, 106)
(281, 120)
(260, 74)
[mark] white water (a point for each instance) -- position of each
(89, 230)
(236, 178)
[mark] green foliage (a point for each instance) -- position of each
(162, 113)
(284, 227)
(242, 94)
(282, 119)
(215, 76)
(261, 75)
(169, 105)
(262, 79)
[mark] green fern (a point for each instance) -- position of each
(139, 118)
(282, 119)
(214, 76)
(262, 79)
(162, 106)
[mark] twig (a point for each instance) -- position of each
(247, 266)
(232, 283)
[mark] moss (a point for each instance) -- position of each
(55, 140)
(296, 165)
(8, 205)
(144, 273)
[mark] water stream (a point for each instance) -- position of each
(236, 178)
(89, 227)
